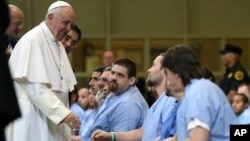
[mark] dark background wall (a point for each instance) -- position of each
(142, 29)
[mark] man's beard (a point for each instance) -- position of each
(151, 83)
(113, 86)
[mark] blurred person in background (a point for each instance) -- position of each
(15, 26)
(9, 109)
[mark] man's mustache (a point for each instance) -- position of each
(113, 85)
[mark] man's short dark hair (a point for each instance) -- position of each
(129, 64)
(99, 69)
(77, 30)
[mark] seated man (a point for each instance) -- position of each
(162, 110)
(124, 108)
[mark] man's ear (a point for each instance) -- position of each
(50, 16)
(132, 81)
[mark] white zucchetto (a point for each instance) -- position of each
(58, 4)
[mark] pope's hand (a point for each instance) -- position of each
(72, 121)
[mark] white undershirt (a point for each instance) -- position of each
(195, 123)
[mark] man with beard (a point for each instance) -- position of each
(204, 112)
(124, 108)
(103, 83)
(151, 94)
(158, 113)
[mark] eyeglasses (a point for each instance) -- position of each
(18, 24)
(103, 79)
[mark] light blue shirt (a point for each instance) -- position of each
(169, 125)
(78, 110)
(157, 114)
(124, 112)
(87, 122)
(206, 102)
(244, 117)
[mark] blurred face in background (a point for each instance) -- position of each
(238, 104)
(108, 58)
(83, 98)
(92, 100)
(228, 58)
(16, 22)
(244, 90)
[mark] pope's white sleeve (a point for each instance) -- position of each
(46, 101)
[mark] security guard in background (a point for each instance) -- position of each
(235, 72)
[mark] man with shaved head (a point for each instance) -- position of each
(43, 78)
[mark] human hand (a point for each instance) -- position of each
(75, 138)
(157, 139)
(72, 121)
(170, 139)
(100, 135)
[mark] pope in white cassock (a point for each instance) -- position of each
(43, 78)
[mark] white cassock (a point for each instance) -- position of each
(43, 77)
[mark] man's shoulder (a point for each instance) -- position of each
(240, 73)
(238, 67)
(76, 107)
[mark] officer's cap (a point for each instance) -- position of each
(231, 48)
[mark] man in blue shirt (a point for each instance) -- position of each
(124, 108)
(204, 112)
(157, 114)
(82, 105)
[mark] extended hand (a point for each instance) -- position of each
(72, 121)
(100, 135)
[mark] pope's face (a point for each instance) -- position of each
(60, 22)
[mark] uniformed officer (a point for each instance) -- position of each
(235, 72)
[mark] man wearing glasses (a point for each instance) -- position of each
(15, 26)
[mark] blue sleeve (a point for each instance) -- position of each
(200, 106)
(76, 109)
(169, 125)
